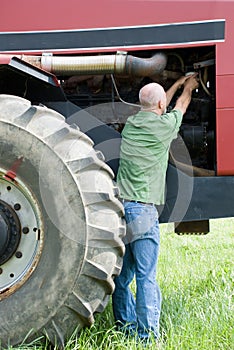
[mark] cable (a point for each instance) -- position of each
(203, 85)
(118, 95)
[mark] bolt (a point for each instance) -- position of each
(8, 188)
(18, 255)
(17, 206)
(1, 270)
(25, 230)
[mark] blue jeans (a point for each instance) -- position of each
(140, 314)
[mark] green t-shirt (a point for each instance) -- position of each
(144, 153)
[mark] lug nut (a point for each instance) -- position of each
(17, 206)
(18, 255)
(25, 230)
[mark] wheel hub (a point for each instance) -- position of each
(9, 232)
(21, 234)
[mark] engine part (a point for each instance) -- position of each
(206, 63)
(120, 63)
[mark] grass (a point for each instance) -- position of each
(196, 277)
(197, 280)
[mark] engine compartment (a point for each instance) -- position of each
(100, 95)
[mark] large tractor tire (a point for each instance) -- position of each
(61, 225)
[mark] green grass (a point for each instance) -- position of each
(197, 280)
(196, 277)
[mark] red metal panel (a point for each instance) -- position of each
(225, 123)
(225, 141)
(225, 51)
(41, 15)
(224, 91)
(28, 15)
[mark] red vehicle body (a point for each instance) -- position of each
(75, 16)
(39, 43)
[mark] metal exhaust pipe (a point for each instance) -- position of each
(120, 63)
(146, 67)
(84, 65)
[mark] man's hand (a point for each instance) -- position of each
(180, 82)
(191, 82)
(177, 85)
(183, 101)
(184, 80)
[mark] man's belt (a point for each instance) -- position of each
(134, 201)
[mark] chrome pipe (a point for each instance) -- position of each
(121, 63)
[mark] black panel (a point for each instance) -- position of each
(197, 198)
(24, 80)
(114, 37)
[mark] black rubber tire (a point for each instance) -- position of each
(83, 225)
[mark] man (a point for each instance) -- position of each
(146, 140)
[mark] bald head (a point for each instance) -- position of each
(151, 95)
